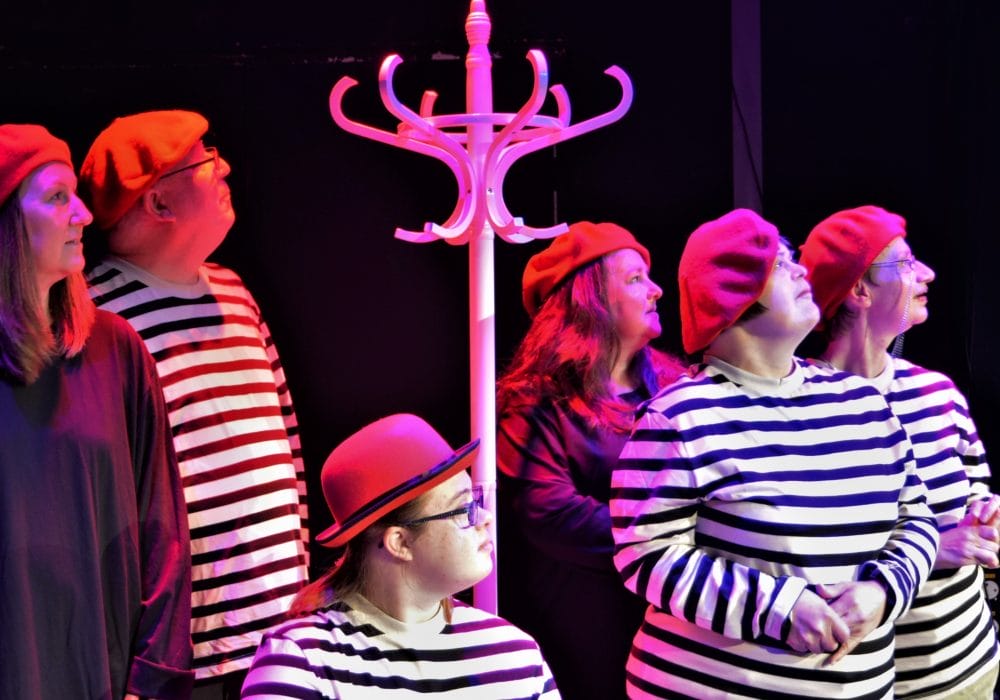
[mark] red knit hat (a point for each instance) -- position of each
(24, 147)
(127, 158)
(841, 247)
(723, 270)
(382, 466)
(583, 243)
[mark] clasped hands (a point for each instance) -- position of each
(836, 617)
(974, 540)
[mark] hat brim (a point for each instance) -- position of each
(338, 534)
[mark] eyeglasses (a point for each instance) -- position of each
(214, 159)
(910, 262)
(470, 510)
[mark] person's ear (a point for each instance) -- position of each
(860, 296)
(155, 204)
(396, 541)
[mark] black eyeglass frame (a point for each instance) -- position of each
(211, 150)
(471, 510)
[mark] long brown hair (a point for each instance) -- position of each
(569, 351)
(27, 342)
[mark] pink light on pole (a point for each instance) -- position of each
(479, 147)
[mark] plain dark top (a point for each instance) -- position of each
(556, 578)
(95, 591)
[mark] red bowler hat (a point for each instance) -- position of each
(381, 467)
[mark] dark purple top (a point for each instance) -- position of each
(95, 587)
(556, 578)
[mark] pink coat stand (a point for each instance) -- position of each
(479, 147)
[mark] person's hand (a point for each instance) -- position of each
(860, 605)
(984, 512)
(816, 627)
(969, 542)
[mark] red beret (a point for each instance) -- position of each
(841, 247)
(24, 147)
(723, 270)
(127, 158)
(583, 243)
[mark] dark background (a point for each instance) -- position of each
(890, 102)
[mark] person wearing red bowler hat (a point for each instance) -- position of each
(871, 290)
(768, 510)
(565, 406)
(383, 622)
(95, 580)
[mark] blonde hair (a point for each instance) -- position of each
(28, 343)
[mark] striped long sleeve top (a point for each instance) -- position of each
(353, 651)
(946, 641)
(236, 438)
(733, 495)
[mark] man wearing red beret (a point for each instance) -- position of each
(871, 289)
(159, 196)
(767, 509)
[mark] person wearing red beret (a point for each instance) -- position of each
(95, 587)
(871, 289)
(411, 532)
(566, 405)
(162, 206)
(768, 510)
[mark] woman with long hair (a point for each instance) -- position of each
(94, 572)
(412, 532)
(566, 405)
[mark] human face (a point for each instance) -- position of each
(198, 196)
(449, 556)
(632, 298)
(899, 289)
(54, 218)
(790, 311)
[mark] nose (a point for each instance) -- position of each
(798, 269)
(224, 168)
(655, 290)
(80, 211)
(925, 273)
(485, 517)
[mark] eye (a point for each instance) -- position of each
(60, 197)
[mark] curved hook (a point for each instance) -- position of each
(497, 211)
(457, 162)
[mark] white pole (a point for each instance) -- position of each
(482, 315)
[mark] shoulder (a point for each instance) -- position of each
(112, 326)
(219, 274)
(823, 377)
(910, 373)
(466, 618)
(666, 367)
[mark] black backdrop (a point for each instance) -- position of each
(893, 102)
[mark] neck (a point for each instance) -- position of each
(764, 357)
(160, 249)
(858, 351)
(391, 593)
(169, 269)
(619, 381)
(43, 301)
